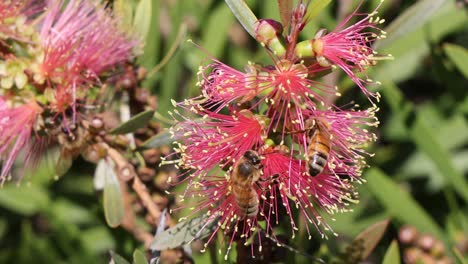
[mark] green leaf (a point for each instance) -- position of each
(426, 140)
(411, 19)
(113, 202)
(400, 204)
(97, 240)
(185, 232)
(459, 56)
(117, 258)
(370, 237)
(139, 257)
(316, 7)
(392, 256)
(25, 200)
(69, 212)
(411, 49)
(142, 21)
(243, 13)
(161, 139)
(138, 121)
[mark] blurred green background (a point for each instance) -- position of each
(418, 175)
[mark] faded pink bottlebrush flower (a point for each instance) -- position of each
(16, 129)
(15, 12)
(81, 40)
(216, 139)
(348, 47)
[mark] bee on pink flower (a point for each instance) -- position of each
(296, 189)
(217, 139)
(334, 140)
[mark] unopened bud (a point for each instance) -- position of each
(426, 242)
(407, 234)
(268, 32)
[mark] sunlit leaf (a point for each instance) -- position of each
(138, 121)
(99, 179)
(370, 237)
(117, 258)
(113, 202)
(124, 10)
(400, 204)
(392, 256)
(142, 20)
(412, 18)
(243, 13)
(316, 7)
(185, 232)
(139, 257)
(459, 56)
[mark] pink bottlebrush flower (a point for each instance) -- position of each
(224, 85)
(281, 86)
(348, 47)
(16, 127)
(217, 139)
(289, 90)
(81, 40)
(213, 196)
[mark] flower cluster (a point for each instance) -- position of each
(261, 143)
(53, 55)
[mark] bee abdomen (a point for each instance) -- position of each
(319, 150)
(247, 201)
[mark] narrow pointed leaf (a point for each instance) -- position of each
(124, 10)
(184, 233)
(370, 237)
(117, 258)
(243, 13)
(459, 56)
(142, 21)
(400, 204)
(426, 140)
(139, 257)
(138, 121)
(285, 9)
(392, 256)
(113, 202)
(316, 7)
(411, 19)
(161, 139)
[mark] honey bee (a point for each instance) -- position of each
(246, 173)
(318, 145)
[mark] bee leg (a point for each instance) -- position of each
(273, 179)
